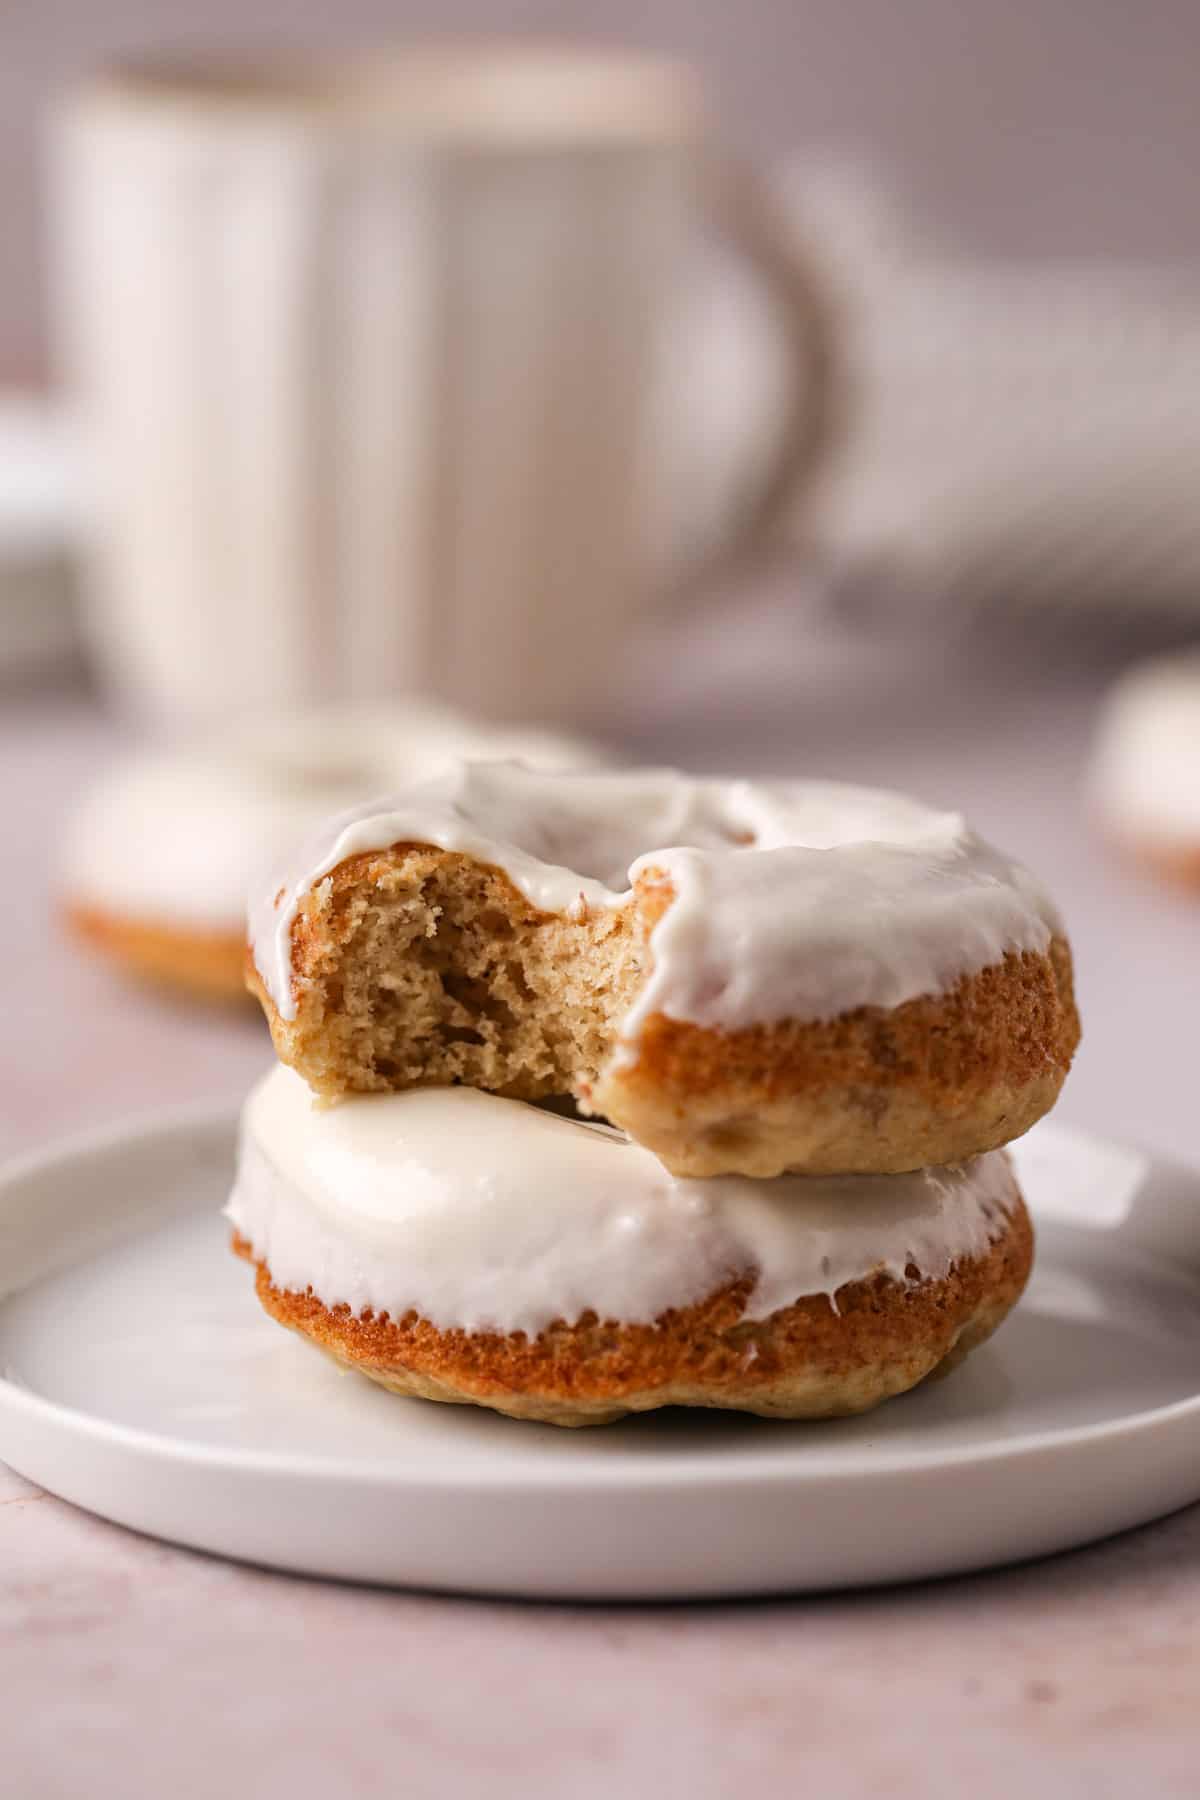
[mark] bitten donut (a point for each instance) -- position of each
(747, 978)
(161, 853)
(465, 1248)
(1145, 777)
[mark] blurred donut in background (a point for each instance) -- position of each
(159, 855)
(1145, 776)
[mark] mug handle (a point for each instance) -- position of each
(748, 215)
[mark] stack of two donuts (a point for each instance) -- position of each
(605, 1092)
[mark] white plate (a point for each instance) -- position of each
(140, 1380)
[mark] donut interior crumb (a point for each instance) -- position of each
(428, 969)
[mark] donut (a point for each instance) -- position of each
(462, 1247)
(747, 978)
(1145, 774)
(160, 855)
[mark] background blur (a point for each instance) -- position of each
(1032, 128)
(997, 205)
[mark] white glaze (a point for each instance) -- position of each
(490, 1214)
(843, 897)
(177, 837)
(1146, 770)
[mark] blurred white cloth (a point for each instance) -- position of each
(1017, 435)
(39, 519)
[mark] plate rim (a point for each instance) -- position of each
(807, 1468)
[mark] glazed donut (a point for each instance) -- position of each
(747, 978)
(466, 1248)
(161, 854)
(1145, 776)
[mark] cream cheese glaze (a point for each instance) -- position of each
(488, 1214)
(1146, 769)
(179, 836)
(795, 899)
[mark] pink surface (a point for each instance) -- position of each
(128, 1667)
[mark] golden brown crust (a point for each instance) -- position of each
(805, 1361)
(207, 965)
(936, 1080)
(528, 1004)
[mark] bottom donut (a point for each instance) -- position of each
(474, 1250)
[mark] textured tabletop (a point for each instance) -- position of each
(130, 1668)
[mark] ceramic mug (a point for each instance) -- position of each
(366, 362)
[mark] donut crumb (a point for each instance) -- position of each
(427, 969)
